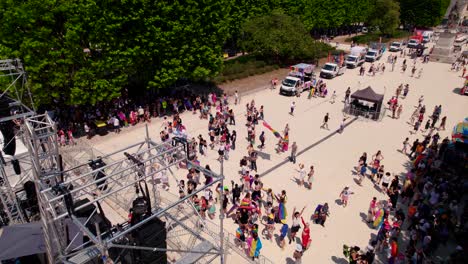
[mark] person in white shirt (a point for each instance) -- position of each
(141, 113)
(116, 125)
(293, 106)
(302, 174)
(87, 131)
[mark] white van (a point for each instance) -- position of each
(291, 85)
(427, 36)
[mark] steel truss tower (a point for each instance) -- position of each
(112, 185)
(13, 111)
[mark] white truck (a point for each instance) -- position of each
(331, 70)
(427, 36)
(357, 57)
(298, 79)
(413, 43)
(290, 85)
(396, 46)
(373, 55)
(375, 52)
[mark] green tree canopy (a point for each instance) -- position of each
(423, 13)
(386, 16)
(278, 36)
(86, 51)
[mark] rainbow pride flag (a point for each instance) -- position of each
(254, 247)
(238, 233)
(282, 213)
(379, 218)
(276, 133)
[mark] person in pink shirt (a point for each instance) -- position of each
(371, 210)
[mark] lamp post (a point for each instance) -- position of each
(221, 213)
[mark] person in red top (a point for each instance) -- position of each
(305, 235)
(393, 251)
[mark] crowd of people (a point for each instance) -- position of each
(423, 203)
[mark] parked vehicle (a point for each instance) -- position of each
(396, 46)
(356, 57)
(331, 70)
(298, 79)
(375, 52)
(416, 39)
(427, 36)
(413, 43)
(290, 85)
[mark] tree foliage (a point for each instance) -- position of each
(329, 14)
(86, 51)
(423, 13)
(386, 16)
(279, 36)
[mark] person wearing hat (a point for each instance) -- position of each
(283, 232)
(297, 255)
(270, 225)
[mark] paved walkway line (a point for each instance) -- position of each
(306, 149)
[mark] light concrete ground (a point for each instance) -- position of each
(334, 158)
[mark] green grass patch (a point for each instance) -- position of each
(242, 67)
(375, 37)
(250, 65)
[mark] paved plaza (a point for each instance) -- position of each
(334, 155)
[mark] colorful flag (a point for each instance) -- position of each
(255, 246)
(276, 133)
(282, 211)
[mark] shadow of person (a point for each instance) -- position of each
(457, 90)
(377, 187)
(356, 180)
(338, 202)
(363, 216)
(339, 260)
(277, 240)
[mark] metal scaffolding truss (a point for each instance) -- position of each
(12, 114)
(17, 90)
(111, 182)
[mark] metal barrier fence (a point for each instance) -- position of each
(369, 115)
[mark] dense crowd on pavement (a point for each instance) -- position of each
(425, 203)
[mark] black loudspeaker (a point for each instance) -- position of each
(140, 206)
(97, 164)
(31, 202)
(30, 190)
(9, 141)
(16, 166)
(99, 218)
(152, 234)
(86, 211)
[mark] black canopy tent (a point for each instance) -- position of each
(366, 102)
